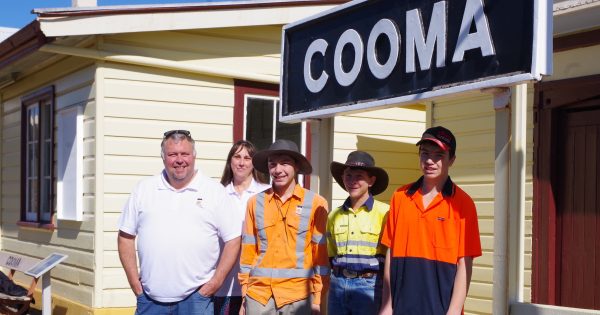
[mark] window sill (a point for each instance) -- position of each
(37, 225)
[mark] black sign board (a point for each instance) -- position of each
(374, 53)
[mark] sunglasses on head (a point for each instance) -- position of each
(169, 133)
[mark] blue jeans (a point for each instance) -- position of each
(227, 305)
(195, 304)
(361, 296)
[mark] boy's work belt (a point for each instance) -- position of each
(350, 274)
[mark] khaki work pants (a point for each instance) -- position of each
(301, 307)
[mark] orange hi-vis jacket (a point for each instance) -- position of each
(284, 249)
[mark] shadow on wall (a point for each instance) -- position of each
(58, 310)
(399, 159)
(67, 230)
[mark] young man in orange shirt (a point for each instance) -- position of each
(284, 265)
(432, 235)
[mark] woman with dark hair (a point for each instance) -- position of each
(241, 182)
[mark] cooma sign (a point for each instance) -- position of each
(376, 53)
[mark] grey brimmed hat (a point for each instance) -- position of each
(281, 146)
(361, 160)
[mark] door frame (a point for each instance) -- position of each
(551, 100)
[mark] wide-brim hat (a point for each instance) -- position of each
(285, 147)
(361, 160)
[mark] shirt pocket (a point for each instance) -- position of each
(340, 230)
(444, 234)
(262, 232)
(340, 236)
(369, 238)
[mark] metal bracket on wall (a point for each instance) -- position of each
(501, 96)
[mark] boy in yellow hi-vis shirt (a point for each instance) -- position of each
(353, 234)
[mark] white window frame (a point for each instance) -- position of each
(276, 100)
(274, 121)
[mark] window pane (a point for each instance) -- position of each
(32, 159)
(31, 171)
(46, 161)
(46, 122)
(32, 123)
(46, 182)
(32, 199)
(259, 122)
(288, 131)
(45, 199)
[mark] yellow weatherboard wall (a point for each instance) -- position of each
(139, 103)
(389, 135)
(73, 82)
(470, 117)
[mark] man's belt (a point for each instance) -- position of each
(351, 274)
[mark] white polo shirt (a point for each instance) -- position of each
(178, 233)
(231, 284)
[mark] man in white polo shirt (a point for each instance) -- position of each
(177, 218)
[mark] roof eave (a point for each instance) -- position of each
(24, 42)
(177, 7)
(166, 18)
(573, 16)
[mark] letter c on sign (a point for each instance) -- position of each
(353, 38)
(314, 85)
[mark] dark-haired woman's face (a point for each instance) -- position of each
(241, 164)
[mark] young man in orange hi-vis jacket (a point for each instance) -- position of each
(284, 264)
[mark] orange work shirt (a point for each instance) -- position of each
(284, 249)
(426, 244)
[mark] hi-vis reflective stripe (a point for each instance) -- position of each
(319, 239)
(245, 268)
(260, 224)
(248, 239)
(281, 273)
(321, 270)
(303, 227)
(356, 243)
(366, 260)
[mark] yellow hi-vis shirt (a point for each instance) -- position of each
(354, 235)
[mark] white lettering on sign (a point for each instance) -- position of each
(416, 41)
(390, 30)
(13, 262)
(353, 38)
(315, 85)
(481, 39)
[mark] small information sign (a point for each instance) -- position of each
(46, 264)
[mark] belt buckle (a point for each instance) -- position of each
(368, 275)
(349, 273)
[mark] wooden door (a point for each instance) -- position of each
(578, 209)
(566, 190)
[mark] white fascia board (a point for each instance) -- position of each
(542, 39)
(574, 16)
(409, 99)
(149, 22)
